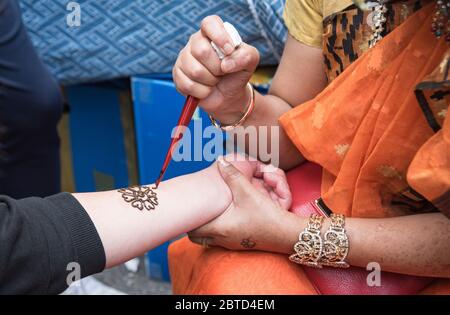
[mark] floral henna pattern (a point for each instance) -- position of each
(141, 197)
(248, 243)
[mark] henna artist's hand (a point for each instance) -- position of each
(219, 84)
(256, 214)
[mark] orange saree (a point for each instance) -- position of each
(380, 155)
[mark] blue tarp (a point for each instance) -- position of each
(120, 38)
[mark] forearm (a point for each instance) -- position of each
(184, 204)
(299, 78)
(270, 137)
(416, 244)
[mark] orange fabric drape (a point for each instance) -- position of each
(365, 128)
(196, 270)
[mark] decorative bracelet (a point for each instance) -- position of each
(332, 251)
(308, 250)
(247, 113)
(335, 245)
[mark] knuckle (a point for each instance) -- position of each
(184, 86)
(251, 56)
(210, 19)
(180, 89)
(206, 21)
(247, 58)
(201, 51)
(194, 37)
(188, 85)
(196, 72)
(233, 175)
(204, 93)
(217, 73)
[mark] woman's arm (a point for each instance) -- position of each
(47, 243)
(221, 84)
(300, 77)
(415, 244)
(183, 204)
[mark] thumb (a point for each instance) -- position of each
(245, 58)
(239, 185)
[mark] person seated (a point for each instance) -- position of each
(365, 95)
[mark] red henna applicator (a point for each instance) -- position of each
(191, 105)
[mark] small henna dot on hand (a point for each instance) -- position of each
(248, 243)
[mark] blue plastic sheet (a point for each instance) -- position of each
(120, 38)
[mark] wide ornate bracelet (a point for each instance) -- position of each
(335, 244)
(308, 250)
(248, 111)
(313, 251)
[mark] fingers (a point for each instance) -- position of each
(276, 179)
(196, 71)
(201, 49)
(187, 86)
(262, 187)
(239, 185)
(246, 164)
(198, 68)
(212, 27)
(196, 75)
(245, 58)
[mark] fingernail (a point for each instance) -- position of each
(228, 65)
(222, 161)
(228, 49)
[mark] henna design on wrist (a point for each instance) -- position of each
(247, 243)
(140, 197)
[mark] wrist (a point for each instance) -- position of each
(290, 226)
(233, 110)
(281, 234)
(218, 194)
(200, 197)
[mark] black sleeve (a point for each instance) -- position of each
(39, 238)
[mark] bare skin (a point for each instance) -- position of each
(221, 85)
(129, 225)
(415, 245)
(418, 244)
